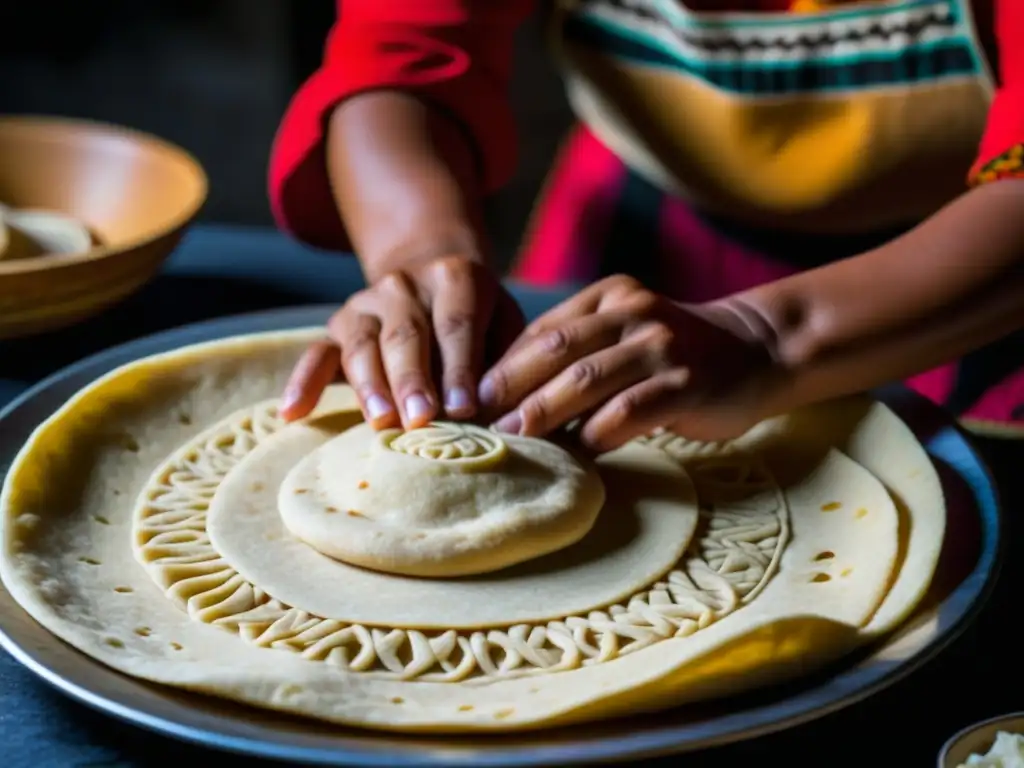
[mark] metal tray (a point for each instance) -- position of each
(968, 569)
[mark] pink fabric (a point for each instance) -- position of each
(1003, 403)
(700, 265)
(574, 215)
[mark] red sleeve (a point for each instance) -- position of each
(1001, 154)
(456, 53)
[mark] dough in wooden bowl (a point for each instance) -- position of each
(29, 233)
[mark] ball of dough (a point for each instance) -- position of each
(442, 501)
(30, 233)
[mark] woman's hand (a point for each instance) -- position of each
(627, 361)
(412, 345)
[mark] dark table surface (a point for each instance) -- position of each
(225, 271)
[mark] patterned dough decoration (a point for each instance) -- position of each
(698, 550)
(446, 500)
(738, 550)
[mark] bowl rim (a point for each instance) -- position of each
(967, 730)
(101, 128)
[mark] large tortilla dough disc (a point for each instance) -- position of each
(649, 518)
(885, 447)
(743, 607)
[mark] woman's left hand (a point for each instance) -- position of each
(627, 361)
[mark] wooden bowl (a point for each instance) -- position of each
(136, 194)
(977, 739)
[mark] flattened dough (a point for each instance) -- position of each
(740, 609)
(648, 520)
(447, 500)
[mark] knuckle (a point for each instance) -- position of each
(626, 407)
(454, 324)
(641, 302)
(362, 302)
(394, 283)
(557, 341)
(355, 328)
(622, 284)
(357, 345)
(448, 270)
(338, 322)
(406, 331)
(584, 374)
(359, 297)
(660, 344)
(535, 413)
(627, 281)
(531, 334)
(361, 339)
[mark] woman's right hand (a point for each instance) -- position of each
(406, 180)
(413, 345)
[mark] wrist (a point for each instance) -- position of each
(406, 254)
(769, 385)
(405, 182)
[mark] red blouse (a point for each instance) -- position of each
(458, 53)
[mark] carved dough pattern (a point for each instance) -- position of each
(733, 555)
(445, 442)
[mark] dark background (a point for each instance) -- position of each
(215, 76)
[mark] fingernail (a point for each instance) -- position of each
(510, 424)
(486, 391)
(376, 407)
(457, 399)
(416, 407)
(290, 398)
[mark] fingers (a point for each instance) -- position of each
(636, 411)
(442, 316)
(460, 312)
(584, 303)
(316, 369)
(542, 357)
(405, 351)
(394, 334)
(358, 336)
(384, 337)
(581, 387)
(605, 294)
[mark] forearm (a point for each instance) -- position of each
(405, 179)
(946, 288)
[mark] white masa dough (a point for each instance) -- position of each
(27, 233)
(118, 469)
(637, 539)
(443, 501)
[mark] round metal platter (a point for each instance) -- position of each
(967, 571)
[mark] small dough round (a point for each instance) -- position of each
(649, 517)
(32, 233)
(446, 500)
